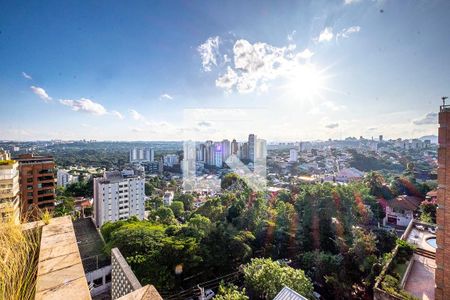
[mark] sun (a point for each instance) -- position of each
(305, 82)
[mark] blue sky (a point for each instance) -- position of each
(169, 70)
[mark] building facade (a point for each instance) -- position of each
(442, 275)
(63, 178)
(142, 155)
(9, 189)
(118, 197)
(37, 183)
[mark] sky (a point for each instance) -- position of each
(175, 70)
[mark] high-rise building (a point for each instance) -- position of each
(37, 183)
(234, 147)
(142, 155)
(226, 150)
(217, 148)
(261, 149)
(170, 160)
(252, 147)
(64, 178)
(9, 189)
(118, 196)
(293, 155)
(380, 138)
(442, 275)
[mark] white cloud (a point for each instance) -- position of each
(117, 114)
(228, 80)
(256, 64)
(332, 125)
(346, 32)
(41, 93)
(326, 35)
(165, 97)
(305, 54)
(291, 35)
(25, 75)
(347, 2)
(136, 115)
(429, 119)
(209, 51)
(85, 105)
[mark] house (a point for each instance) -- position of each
(349, 174)
(168, 198)
(400, 210)
(288, 294)
(432, 196)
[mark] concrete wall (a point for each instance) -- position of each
(122, 277)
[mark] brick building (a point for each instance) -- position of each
(442, 278)
(37, 182)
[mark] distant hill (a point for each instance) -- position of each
(432, 138)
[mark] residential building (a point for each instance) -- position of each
(142, 155)
(349, 174)
(63, 178)
(170, 160)
(118, 196)
(37, 183)
(217, 158)
(154, 167)
(442, 275)
(261, 149)
(234, 147)
(226, 150)
(9, 189)
(400, 210)
(168, 198)
(252, 147)
(293, 155)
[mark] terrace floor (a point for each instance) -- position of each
(420, 282)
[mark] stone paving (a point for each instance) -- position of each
(420, 282)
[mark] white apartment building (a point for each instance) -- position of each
(142, 155)
(64, 178)
(168, 198)
(9, 189)
(118, 196)
(293, 155)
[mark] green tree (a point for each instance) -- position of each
(266, 278)
(65, 206)
(164, 215)
(230, 292)
(177, 208)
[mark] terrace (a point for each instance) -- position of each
(410, 276)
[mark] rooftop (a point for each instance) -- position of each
(90, 245)
(60, 271)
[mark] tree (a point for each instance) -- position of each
(230, 292)
(65, 207)
(266, 278)
(187, 199)
(177, 208)
(164, 215)
(375, 181)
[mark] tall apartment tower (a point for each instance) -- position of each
(37, 183)
(442, 275)
(9, 189)
(252, 147)
(118, 196)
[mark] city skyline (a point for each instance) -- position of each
(109, 71)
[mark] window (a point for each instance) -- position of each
(30, 179)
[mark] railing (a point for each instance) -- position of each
(445, 107)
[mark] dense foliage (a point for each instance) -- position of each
(323, 229)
